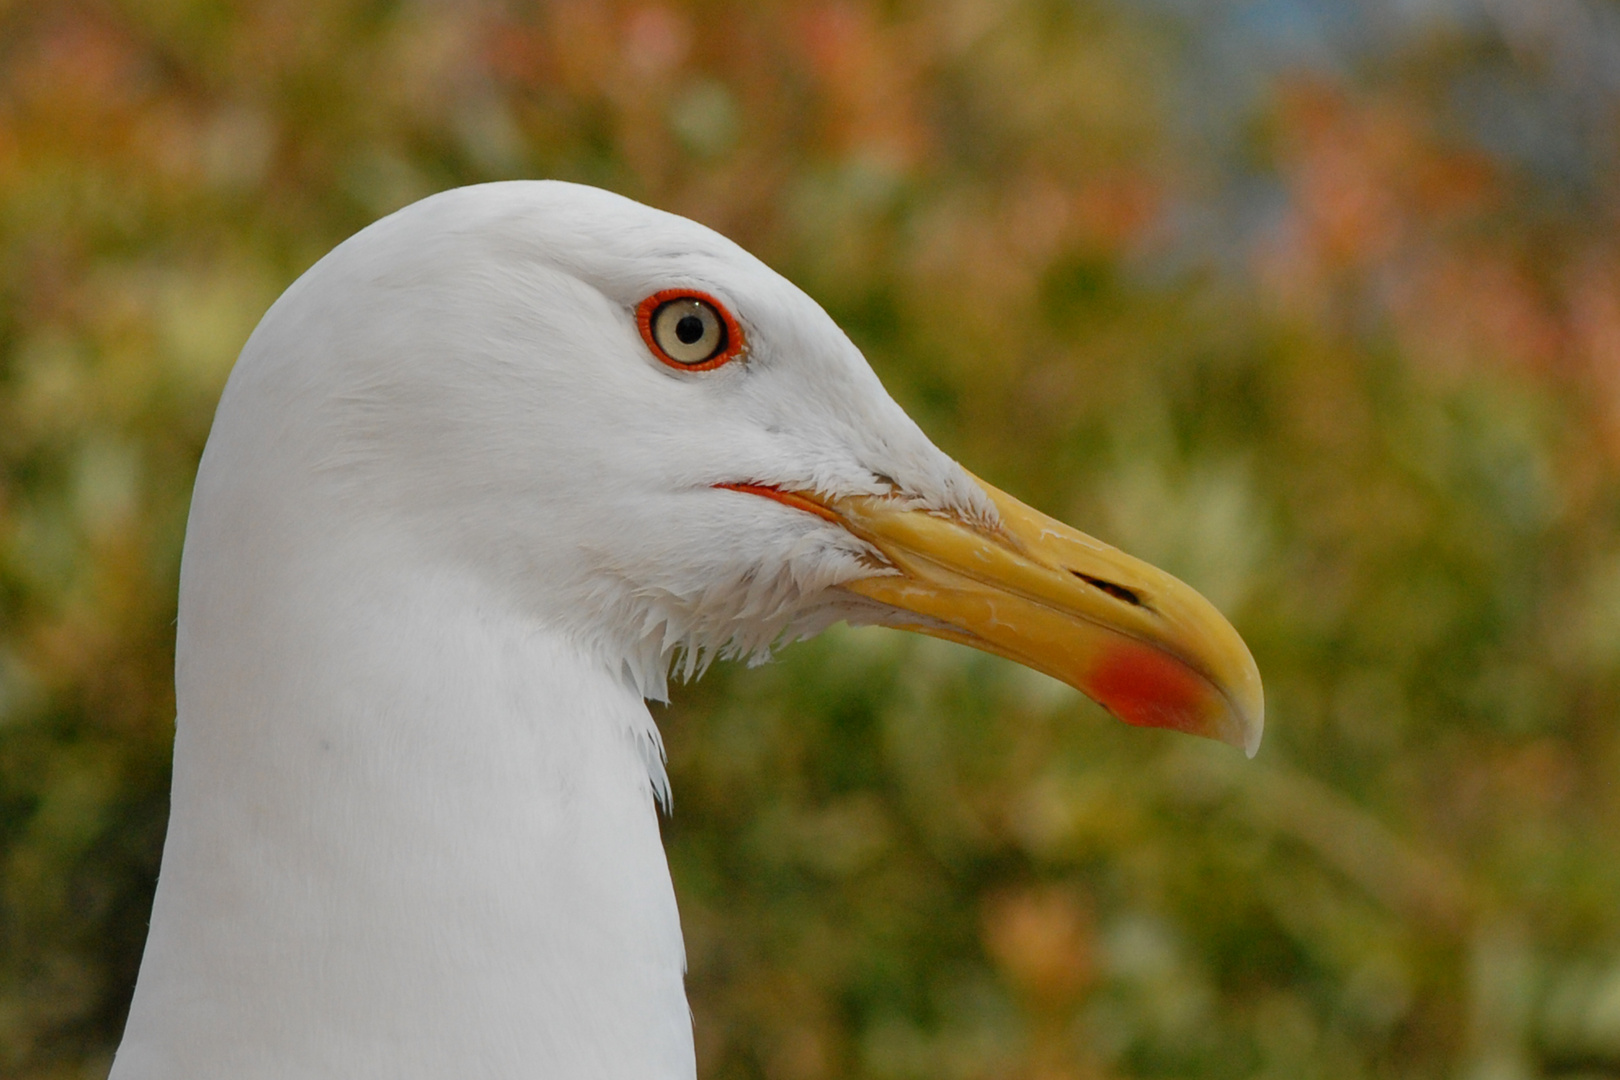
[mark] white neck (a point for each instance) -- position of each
(412, 833)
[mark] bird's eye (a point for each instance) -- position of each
(688, 330)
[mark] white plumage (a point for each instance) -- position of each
(453, 521)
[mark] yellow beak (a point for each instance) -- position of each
(1142, 644)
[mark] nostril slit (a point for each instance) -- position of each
(1118, 592)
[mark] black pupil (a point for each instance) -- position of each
(689, 329)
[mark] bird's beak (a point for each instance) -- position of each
(1142, 644)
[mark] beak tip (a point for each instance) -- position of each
(1236, 681)
(1237, 728)
(1251, 740)
(1246, 722)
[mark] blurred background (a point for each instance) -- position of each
(1315, 303)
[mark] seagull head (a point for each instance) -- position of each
(640, 434)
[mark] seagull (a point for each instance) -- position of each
(482, 479)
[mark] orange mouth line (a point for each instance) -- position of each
(786, 498)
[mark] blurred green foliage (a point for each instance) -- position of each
(1317, 305)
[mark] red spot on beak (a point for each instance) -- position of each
(1146, 688)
